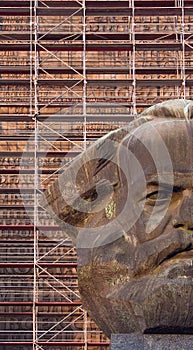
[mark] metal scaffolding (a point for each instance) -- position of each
(70, 71)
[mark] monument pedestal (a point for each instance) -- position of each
(151, 342)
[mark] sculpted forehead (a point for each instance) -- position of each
(161, 142)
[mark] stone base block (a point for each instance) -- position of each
(151, 342)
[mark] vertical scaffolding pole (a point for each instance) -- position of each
(85, 331)
(84, 75)
(183, 51)
(84, 126)
(133, 60)
(35, 289)
(36, 63)
(31, 59)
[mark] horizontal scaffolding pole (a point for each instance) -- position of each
(40, 154)
(173, 46)
(40, 303)
(31, 265)
(94, 70)
(91, 3)
(54, 343)
(161, 8)
(101, 82)
(98, 36)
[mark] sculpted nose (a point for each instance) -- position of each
(184, 217)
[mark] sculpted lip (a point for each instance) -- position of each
(162, 250)
(183, 254)
(178, 266)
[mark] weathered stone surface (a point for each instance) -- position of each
(127, 342)
(127, 203)
(151, 342)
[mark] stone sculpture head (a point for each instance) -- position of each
(127, 202)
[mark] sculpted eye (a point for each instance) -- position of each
(161, 195)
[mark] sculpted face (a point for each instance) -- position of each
(165, 225)
(144, 278)
(135, 273)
